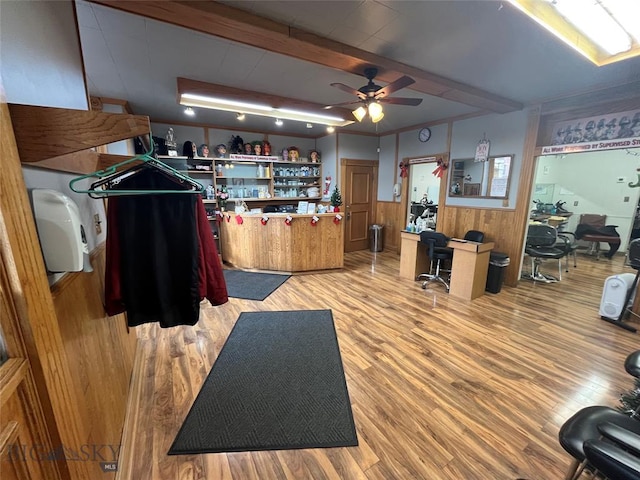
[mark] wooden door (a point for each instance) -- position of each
(25, 445)
(360, 192)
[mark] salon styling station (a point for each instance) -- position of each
(283, 242)
(468, 270)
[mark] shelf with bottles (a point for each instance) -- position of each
(295, 198)
(242, 169)
(296, 169)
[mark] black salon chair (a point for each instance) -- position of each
(594, 422)
(614, 458)
(436, 242)
(474, 236)
(542, 244)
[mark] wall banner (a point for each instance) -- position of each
(603, 132)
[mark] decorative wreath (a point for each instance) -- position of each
(442, 166)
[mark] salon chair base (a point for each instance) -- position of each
(429, 278)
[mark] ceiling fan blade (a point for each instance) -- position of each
(327, 107)
(394, 86)
(348, 89)
(401, 101)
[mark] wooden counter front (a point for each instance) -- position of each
(298, 247)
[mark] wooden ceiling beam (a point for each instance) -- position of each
(244, 27)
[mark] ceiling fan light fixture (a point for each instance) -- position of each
(375, 112)
(359, 113)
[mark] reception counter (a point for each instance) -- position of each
(267, 242)
(468, 270)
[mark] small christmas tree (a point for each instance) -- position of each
(630, 400)
(336, 198)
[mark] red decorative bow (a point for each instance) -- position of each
(440, 168)
(404, 169)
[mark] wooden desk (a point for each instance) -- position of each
(468, 270)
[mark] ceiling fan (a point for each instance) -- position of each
(371, 96)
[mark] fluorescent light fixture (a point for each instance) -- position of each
(375, 112)
(216, 103)
(359, 113)
(220, 103)
(189, 111)
(626, 14)
(604, 31)
(279, 122)
(241, 117)
(596, 23)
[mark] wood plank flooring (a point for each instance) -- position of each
(441, 388)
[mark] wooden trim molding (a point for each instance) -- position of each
(45, 132)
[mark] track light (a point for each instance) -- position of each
(189, 111)
(240, 117)
(278, 122)
(309, 125)
(330, 129)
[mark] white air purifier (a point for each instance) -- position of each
(60, 231)
(614, 295)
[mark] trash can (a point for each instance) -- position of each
(498, 261)
(375, 238)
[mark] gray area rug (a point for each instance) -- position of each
(278, 384)
(252, 285)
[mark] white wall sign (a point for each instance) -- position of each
(482, 151)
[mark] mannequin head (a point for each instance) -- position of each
(221, 150)
(204, 150)
(248, 149)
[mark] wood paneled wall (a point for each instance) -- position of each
(102, 350)
(80, 359)
(392, 217)
(498, 227)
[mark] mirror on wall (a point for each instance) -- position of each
(424, 192)
(489, 179)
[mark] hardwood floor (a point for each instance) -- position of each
(440, 388)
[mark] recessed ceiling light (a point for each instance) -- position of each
(330, 129)
(279, 122)
(189, 111)
(241, 117)
(309, 125)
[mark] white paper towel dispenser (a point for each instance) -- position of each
(60, 231)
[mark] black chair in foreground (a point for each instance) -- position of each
(591, 423)
(615, 457)
(438, 251)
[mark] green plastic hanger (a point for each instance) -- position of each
(113, 175)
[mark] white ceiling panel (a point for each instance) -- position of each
(485, 44)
